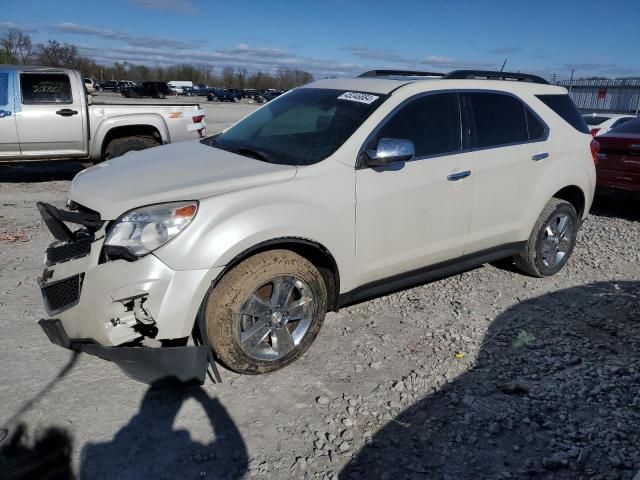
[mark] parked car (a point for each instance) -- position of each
(125, 84)
(340, 190)
(148, 89)
(178, 86)
(109, 86)
(47, 115)
(601, 123)
(225, 95)
(268, 96)
(618, 165)
(90, 84)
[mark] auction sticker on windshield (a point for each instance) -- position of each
(358, 97)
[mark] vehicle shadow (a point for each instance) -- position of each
(149, 447)
(39, 171)
(620, 205)
(554, 393)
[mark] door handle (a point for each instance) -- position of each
(5, 113)
(66, 112)
(458, 176)
(539, 156)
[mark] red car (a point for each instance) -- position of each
(618, 165)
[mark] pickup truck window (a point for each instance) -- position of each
(302, 127)
(4, 88)
(45, 88)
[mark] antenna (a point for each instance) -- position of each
(503, 64)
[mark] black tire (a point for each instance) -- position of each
(225, 301)
(532, 261)
(120, 146)
(162, 96)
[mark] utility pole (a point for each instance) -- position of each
(571, 80)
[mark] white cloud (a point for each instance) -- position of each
(75, 29)
(180, 6)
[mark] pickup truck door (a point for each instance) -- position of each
(415, 214)
(9, 144)
(52, 119)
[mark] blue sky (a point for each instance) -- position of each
(341, 37)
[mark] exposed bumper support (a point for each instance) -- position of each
(144, 364)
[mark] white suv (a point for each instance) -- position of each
(233, 248)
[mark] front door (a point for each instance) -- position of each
(51, 121)
(9, 144)
(415, 214)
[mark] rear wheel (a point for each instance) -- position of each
(552, 240)
(265, 313)
(120, 146)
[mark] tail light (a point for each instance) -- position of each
(197, 119)
(595, 148)
(594, 131)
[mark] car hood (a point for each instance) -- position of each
(182, 171)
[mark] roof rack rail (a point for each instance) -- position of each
(399, 73)
(494, 75)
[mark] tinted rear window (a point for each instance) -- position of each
(564, 106)
(4, 88)
(45, 88)
(591, 120)
(499, 119)
(632, 126)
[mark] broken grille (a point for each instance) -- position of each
(62, 294)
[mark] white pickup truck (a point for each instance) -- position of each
(46, 114)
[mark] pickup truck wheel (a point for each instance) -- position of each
(552, 240)
(120, 146)
(265, 313)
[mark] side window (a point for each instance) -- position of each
(431, 122)
(499, 119)
(4, 89)
(43, 88)
(536, 128)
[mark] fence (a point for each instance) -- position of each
(613, 96)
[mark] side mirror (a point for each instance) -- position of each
(391, 150)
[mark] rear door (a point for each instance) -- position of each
(9, 144)
(51, 122)
(514, 166)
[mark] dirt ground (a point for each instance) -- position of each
(487, 374)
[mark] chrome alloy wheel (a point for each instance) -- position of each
(275, 317)
(556, 240)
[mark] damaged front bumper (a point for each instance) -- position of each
(118, 310)
(144, 364)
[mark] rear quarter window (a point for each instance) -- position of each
(564, 106)
(38, 88)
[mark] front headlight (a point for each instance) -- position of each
(142, 230)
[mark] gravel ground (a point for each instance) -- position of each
(487, 374)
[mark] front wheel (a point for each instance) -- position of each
(552, 240)
(265, 313)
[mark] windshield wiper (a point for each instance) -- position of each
(253, 153)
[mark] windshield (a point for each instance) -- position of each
(591, 120)
(302, 127)
(632, 126)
